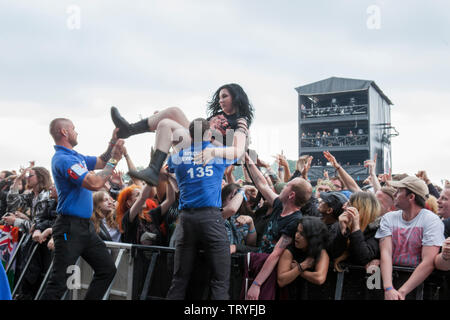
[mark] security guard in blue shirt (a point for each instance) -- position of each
(201, 221)
(73, 232)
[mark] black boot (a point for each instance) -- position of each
(126, 129)
(151, 173)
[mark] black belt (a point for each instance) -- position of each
(69, 216)
(199, 209)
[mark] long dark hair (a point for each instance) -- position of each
(316, 233)
(240, 101)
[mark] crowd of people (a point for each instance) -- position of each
(335, 139)
(333, 110)
(292, 231)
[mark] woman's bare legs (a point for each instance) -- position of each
(172, 113)
(149, 124)
(168, 132)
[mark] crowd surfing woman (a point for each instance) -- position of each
(229, 109)
(307, 256)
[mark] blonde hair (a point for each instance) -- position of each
(97, 214)
(326, 182)
(431, 204)
(369, 209)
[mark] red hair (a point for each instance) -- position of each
(122, 205)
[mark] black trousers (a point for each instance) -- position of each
(205, 228)
(75, 237)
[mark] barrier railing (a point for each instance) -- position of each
(144, 273)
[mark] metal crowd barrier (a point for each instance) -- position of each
(144, 273)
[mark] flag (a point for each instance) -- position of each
(9, 237)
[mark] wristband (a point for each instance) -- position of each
(242, 192)
(300, 268)
(252, 231)
(112, 163)
(388, 289)
(256, 283)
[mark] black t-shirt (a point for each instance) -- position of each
(297, 254)
(132, 230)
(278, 226)
(447, 227)
(220, 125)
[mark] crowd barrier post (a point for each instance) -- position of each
(148, 277)
(117, 262)
(22, 274)
(44, 281)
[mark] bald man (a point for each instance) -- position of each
(73, 232)
(283, 222)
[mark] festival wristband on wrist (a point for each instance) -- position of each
(300, 268)
(256, 283)
(112, 162)
(242, 192)
(388, 289)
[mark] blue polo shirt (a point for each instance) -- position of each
(69, 169)
(200, 186)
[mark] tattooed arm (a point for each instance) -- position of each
(268, 267)
(96, 180)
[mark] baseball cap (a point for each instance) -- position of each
(335, 200)
(414, 184)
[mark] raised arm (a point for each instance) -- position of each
(96, 180)
(234, 204)
(371, 165)
(348, 180)
(102, 160)
(260, 181)
(170, 195)
(136, 208)
(285, 165)
(422, 174)
(131, 166)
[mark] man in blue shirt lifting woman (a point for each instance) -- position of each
(73, 232)
(201, 223)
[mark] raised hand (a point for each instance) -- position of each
(423, 175)
(205, 156)
(307, 167)
(330, 159)
(353, 214)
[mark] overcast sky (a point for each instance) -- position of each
(76, 59)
